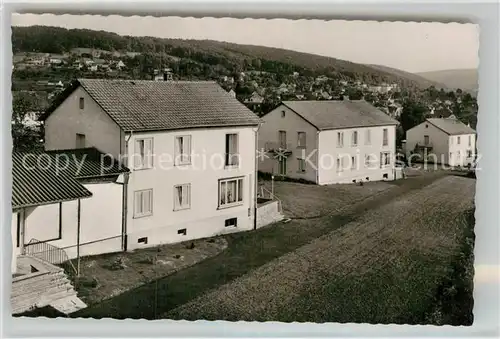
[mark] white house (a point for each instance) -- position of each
(442, 140)
(71, 200)
(189, 145)
(328, 142)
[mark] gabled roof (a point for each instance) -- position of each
(36, 181)
(338, 114)
(144, 105)
(451, 126)
(88, 163)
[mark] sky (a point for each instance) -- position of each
(413, 47)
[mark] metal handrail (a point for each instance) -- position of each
(49, 253)
(273, 197)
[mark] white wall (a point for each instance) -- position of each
(68, 119)
(100, 219)
(329, 152)
(292, 123)
(463, 147)
(437, 138)
(203, 219)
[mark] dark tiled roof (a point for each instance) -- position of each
(451, 126)
(36, 181)
(142, 105)
(335, 114)
(88, 163)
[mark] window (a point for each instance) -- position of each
(82, 103)
(282, 139)
(302, 165)
(183, 150)
(143, 203)
(18, 233)
(230, 192)
(340, 165)
(385, 159)
(283, 113)
(354, 140)
(469, 153)
(80, 140)
(143, 157)
(368, 160)
(182, 231)
(232, 155)
(426, 140)
(451, 156)
(340, 139)
(182, 197)
(353, 163)
(458, 140)
(231, 222)
(470, 140)
(301, 139)
(368, 137)
(143, 240)
(385, 138)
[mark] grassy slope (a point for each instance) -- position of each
(246, 252)
(383, 268)
(415, 77)
(466, 79)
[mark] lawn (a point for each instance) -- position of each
(246, 252)
(304, 201)
(384, 267)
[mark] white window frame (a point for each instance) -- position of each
(340, 139)
(368, 137)
(354, 138)
(145, 161)
(458, 140)
(183, 157)
(231, 160)
(140, 195)
(385, 137)
(223, 191)
(385, 159)
(180, 205)
(427, 140)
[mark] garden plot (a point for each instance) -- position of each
(312, 201)
(382, 268)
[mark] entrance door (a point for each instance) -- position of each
(282, 166)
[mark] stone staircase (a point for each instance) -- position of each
(39, 284)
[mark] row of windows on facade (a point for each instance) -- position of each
(230, 195)
(427, 140)
(182, 155)
(301, 138)
(385, 160)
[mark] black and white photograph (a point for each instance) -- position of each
(244, 169)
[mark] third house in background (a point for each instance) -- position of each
(442, 140)
(328, 142)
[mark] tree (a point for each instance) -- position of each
(413, 114)
(24, 138)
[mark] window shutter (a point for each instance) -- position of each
(148, 151)
(137, 155)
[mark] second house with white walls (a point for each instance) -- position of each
(190, 147)
(328, 142)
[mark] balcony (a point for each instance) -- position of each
(428, 146)
(278, 148)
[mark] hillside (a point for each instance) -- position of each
(425, 82)
(225, 57)
(465, 79)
